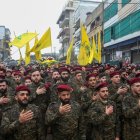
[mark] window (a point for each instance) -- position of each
(124, 2)
(128, 25)
(107, 35)
(111, 11)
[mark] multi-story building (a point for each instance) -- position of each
(4, 40)
(94, 23)
(66, 21)
(122, 30)
(80, 15)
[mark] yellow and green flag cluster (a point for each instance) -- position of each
(69, 52)
(87, 51)
(24, 39)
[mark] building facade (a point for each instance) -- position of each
(94, 24)
(122, 30)
(66, 21)
(83, 9)
(4, 41)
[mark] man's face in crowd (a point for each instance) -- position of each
(115, 79)
(112, 69)
(103, 93)
(124, 75)
(2, 73)
(92, 81)
(3, 87)
(22, 98)
(8, 74)
(103, 79)
(64, 96)
(17, 78)
(56, 75)
(28, 82)
(136, 88)
(36, 77)
(78, 76)
(64, 76)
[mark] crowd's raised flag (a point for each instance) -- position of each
(69, 51)
(23, 39)
(84, 52)
(44, 42)
(38, 55)
(21, 58)
(92, 51)
(27, 54)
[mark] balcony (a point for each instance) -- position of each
(65, 30)
(65, 22)
(66, 38)
(69, 6)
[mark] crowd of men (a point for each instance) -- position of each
(98, 102)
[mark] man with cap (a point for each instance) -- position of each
(9, 78)
(102, 115)
(17, 79)
(40, 92)
(64, 116)
(87, 97)
(6, 98)
(131, 111)
(88, 93)
(23, 120)
(79, 83)
(27, 80)
(116, 87)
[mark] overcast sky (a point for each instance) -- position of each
(22, 15)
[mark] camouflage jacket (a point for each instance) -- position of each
(131, 111)
(31, 130)
(41, 100)
(10, 95)
(106, 127)
(68, 126)
(86, 98)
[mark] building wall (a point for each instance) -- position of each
(122, 31)
(4, 40)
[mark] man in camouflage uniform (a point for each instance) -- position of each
(6, 99)
(23, 120)
(102, 115)
(64, 116)
(88, 96)
(131, 111)
(65, 78)
(79, 85)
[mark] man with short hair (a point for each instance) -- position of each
(64, 116)
(23, 120)
(103, 116)
(131, 111)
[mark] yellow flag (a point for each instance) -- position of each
(38, 55)
(99, 48)
(84, 53)
(82, 57)
(27, 54)
(45, 41)
(95, 53)
(20, 59)
(92, 51)
(69, 52)
(84, 37)
(22, 40)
